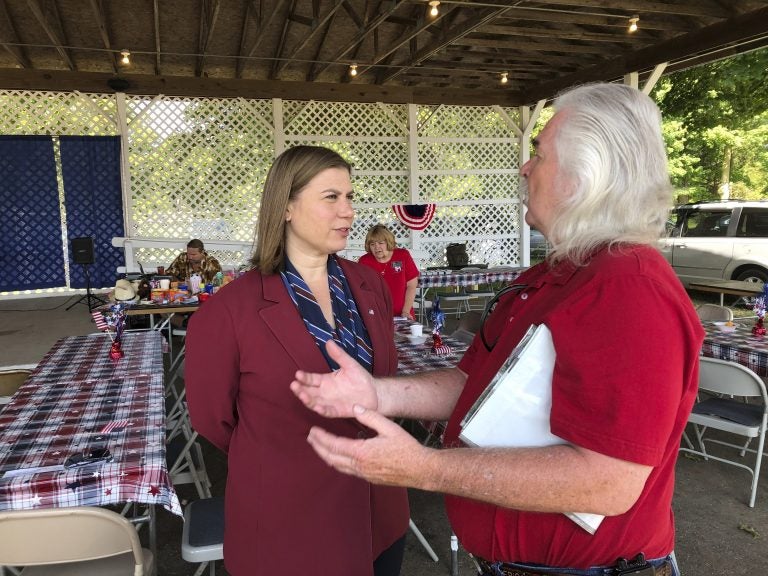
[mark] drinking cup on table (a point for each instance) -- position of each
(165, 284)
(416, 329)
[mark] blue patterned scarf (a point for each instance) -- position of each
(350, 333)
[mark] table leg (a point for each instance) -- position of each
(153, 537)
(423, 316)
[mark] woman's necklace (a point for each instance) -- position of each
(382, 267)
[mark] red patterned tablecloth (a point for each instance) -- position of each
(413, 358)
(739, 346)
(76, 400)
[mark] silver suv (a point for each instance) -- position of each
(722, 240)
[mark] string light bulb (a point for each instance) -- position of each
(353, 69)
(433, 11)
(633, 23)
(126, 57)
(504, 77)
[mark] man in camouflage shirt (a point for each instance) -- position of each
(194, 261)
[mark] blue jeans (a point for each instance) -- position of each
(595, 571)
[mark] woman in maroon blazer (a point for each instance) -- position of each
(287, 511)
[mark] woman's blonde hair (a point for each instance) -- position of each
(289, 175)
(377, 233)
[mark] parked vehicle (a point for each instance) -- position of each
(725, 240)
(539, 246)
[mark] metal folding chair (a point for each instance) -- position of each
(726, 380)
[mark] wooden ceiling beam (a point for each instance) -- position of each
(559, 33)
(98, 12)
(280, 47)
(750, 25)
(444, 66)
(156, 21)
(209, 14)
(56, 36)
(536, 59)
(448, 37)
(11, 40)
(369, 27)
(261, 26)
(318, 26)
(187, 86)
(698, 8)
(517, 44)
(251, 13)
(668, 23)
(407, 36)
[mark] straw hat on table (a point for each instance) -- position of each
(124, 292)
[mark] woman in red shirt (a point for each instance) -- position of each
(396, 267)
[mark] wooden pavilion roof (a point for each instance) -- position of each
(304, 49)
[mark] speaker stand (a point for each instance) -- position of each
(89, 299)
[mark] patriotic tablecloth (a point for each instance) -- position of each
(78, 400)
(437, 279)
(413, 358)
(739, 346)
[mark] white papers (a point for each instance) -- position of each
(514, 409)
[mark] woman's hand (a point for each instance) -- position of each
(408, 314)
(334, 395)
(392, 457)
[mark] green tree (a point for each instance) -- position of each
(715, 127)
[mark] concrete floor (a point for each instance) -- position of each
(717, 533)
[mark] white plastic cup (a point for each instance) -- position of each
(416, 329)
(165, 283)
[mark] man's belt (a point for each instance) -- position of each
(663, 569)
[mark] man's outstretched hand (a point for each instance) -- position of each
(391, 457)
(334, 394)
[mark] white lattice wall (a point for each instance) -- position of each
(194, 167)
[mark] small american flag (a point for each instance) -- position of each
(115, 425)
(442, 350)
(101, 323)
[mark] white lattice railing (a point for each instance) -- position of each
(154, 252)
(195, 167)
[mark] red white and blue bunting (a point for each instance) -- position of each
(414, 216)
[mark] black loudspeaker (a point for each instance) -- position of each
(82, 250)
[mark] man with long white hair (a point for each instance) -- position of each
(627, 342)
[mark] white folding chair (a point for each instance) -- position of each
(184, 454)
(478, 295)
(457, 303)
(728, 414)
(714, 313)
(83, 540)
(10, 380)
(469, 324)
(202, 538)
(479, 299)
(422, 313)
(422, 540)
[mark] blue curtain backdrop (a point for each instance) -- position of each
(94, 202)
(31, 251)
